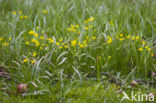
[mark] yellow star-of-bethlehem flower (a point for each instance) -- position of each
(140, 49)
(73, 43)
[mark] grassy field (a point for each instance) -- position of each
(76, 51)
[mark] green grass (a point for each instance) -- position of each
(60, 47)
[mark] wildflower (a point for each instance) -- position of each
(149, 49)
(128, 36)
(25, 60)
(143, 42)
(20, 11)
(51, 40)
(41, 37)
(9, 38)
(5, 44)
(33, 61)
(90, 26)
(86, 21)
(77, 26)
(140, 49)
(109, 57)
(37, 43)
(36, 35)
(152, 54)
(60, 47)
(60, 39)
(91, 19)
(93, 37)
(109, 41)
(81, 45)
(71, 29)
(99, 58)
(65, 46)
(0, 39)
(45, 11)
(14, 13)
(72, 26)
(137, 37)
(31, 32)
(33, 40)
(86, 28)
(133, 38)
(121, 39)
(25, 17)
(41, 48)
(73, 43)
(34, 54)
(121, 35)
(57, 43)
(117, 37)
(21, 17)
(26, 42)
(37, 28)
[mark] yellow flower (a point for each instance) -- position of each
(82, 45)
(71, 29)
(60, 47)
(76, 26)
(31, 32)
(45, 11)
(133, 38)
(37, 43)
(57, 43)
(41, 48)
(33, 61)
(72, 26)
(121, 39)
(21, 17)
(93, 37)
(140, 49)
(60, 39)
(37, 27)
(86, 28)
(20, 11)
(90, 26)
(0, 39)
(128, 36)
(41, 37)
(26, 42)
(73, 43)
(14, 13)
(25, 17)
(34, 54)
(121, 34)
(149, 49)
(86, 21)
(5, 44)
(33, 40)
(36, 34)
(99, 58)
(25, 60)
(117, 37)
(9, 38)
(109, 41)
(51, 40)
(65, 46)
(137, 37)
(143, 42)
(91, 19)
(152, 54)
(109, 57)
